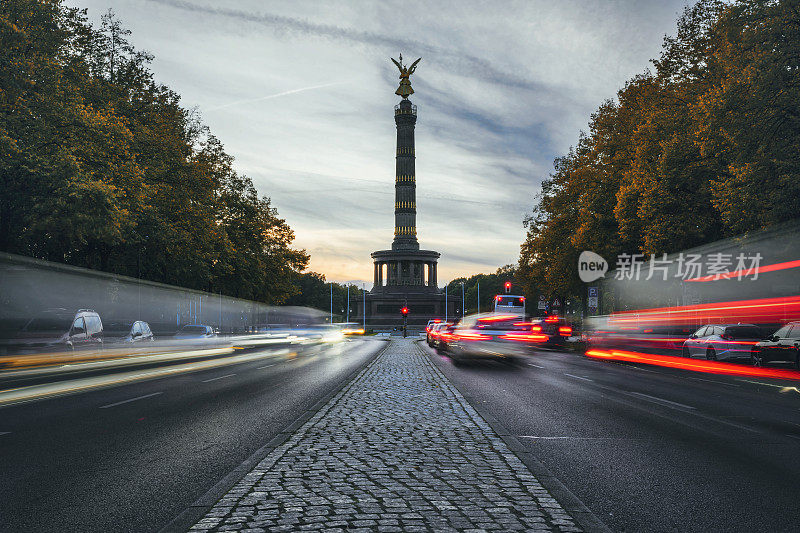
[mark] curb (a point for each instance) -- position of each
(201, 506)
(585, 518)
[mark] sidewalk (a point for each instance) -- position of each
(398, 449)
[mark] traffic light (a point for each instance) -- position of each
(404, 311)
(508, 287)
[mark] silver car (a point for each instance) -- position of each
(722, 341)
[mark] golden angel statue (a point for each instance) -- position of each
(405, 89)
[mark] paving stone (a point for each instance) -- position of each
(398, 449)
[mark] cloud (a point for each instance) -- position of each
(455, 60)
(277, 95)
(302, 95)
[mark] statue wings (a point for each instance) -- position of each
(399, 66)
(402, 69)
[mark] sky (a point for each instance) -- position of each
(301, 93)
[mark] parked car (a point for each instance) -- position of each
(58, 329)
(128, 331)
(195, 331)
(783, 345)
(722, 341)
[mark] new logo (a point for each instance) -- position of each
(591, 266)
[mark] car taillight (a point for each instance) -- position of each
(566, 331)
(536, 329)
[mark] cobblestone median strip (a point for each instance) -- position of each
(398, 449)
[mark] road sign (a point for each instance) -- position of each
(542, 304)
(593, 302)
(592, 292)
(556, 303)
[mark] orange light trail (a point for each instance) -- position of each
(758, 311)
(749, 271)
(711, 367)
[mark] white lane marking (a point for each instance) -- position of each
(218, 377)
(661, 400)
(130, 400)
(570, 438)
(793, 436)
(759, 383)
(5, 433)
(644, 369)
(578, 377)
(537, 366)
(715, 381)
(265, 366)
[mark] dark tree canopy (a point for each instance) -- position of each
(705, 147)
(101, 166)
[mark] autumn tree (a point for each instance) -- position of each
(102, 167)
(702, 148)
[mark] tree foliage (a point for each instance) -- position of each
(490, 285)
(102, 167)
(315, 292)
(704, 147)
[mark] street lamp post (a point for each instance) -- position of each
(348, 303)
(445, 300)
(479, 297)
(364, 307)
(331, 303)
(462, 300)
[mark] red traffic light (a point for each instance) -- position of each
(508, 286)
(404, 311)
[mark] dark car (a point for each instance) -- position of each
(195, 331)
(722, 341)
(58, 329)
(128, 331)
(783, 345)
(555, 330)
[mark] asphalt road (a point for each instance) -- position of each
(649, 448)
(132, 457)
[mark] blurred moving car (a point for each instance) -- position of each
(445, 337)
(783, 345)
(58, 329)
(128, 331)
(492, 336)
(195, 331)
(429, 327)
(433, 333)
(352, 328)
(436, 333)
(717, 342)
(556, 330)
